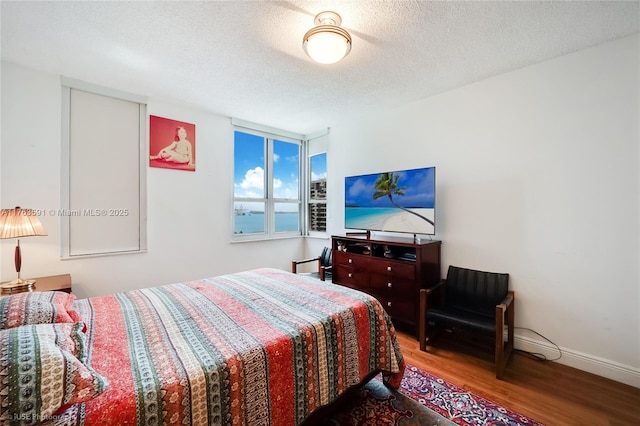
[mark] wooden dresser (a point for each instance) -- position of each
(391, 269)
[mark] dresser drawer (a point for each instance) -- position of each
(351, 276)
(356, 261)
(404, 310)
(403, 270)
(393, 287)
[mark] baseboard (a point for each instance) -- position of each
(595, 365)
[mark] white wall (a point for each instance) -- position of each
(537, 175)
(189, 214)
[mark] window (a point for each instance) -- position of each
(317, 208)
(266, 185)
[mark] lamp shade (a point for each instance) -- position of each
(327, 43)
(17, 223)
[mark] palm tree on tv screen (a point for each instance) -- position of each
(387, 185)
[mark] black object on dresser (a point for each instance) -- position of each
(391, 269)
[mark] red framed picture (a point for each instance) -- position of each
(172, 144)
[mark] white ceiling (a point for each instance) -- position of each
(244, 59)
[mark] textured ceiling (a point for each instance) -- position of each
(244, 59)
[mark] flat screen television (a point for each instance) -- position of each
(398, 201)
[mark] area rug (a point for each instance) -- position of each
(423, 399)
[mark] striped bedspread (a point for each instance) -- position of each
(261, 347)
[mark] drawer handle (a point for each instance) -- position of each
(350, 260)
(389, 285)
(389, 304)
(389, 268)
(350, 275)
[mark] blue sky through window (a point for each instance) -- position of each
(286, 170)
(318, 166)
(248, 166)
(249, 171)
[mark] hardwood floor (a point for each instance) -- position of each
(548, 392)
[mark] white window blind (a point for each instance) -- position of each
(104, 195)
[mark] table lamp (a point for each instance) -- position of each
(17, 223)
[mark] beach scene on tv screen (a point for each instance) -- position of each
(400, 201)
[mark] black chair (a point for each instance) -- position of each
(324, 264)
(475, 300)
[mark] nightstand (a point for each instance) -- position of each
(51, 283)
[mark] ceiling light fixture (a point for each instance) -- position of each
(327, 43)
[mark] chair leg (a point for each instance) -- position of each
(422, 327)
(320, 270)
(510, 329)
(504, 349)
(499, 341)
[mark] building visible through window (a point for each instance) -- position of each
(317, 206)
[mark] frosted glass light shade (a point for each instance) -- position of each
(327, 43)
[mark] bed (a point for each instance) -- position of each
(260, 347)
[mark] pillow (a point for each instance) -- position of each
(42, 370)
(46, 307)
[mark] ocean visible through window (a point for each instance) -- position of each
(253, 222)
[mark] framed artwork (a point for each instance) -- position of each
(172, 144)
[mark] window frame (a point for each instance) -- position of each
(270, 135)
